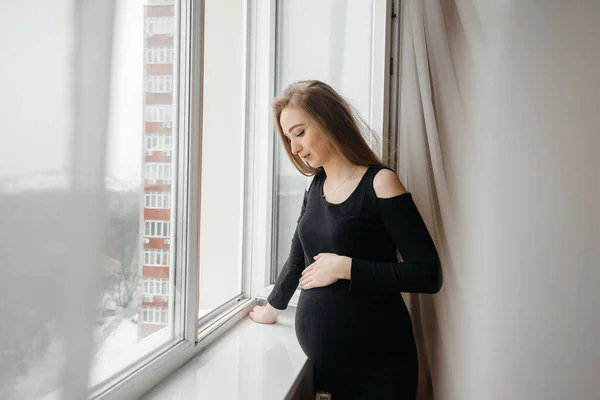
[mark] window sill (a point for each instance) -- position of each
(264, 294)
(249, 361)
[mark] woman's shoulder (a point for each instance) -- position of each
(387, 184)
(311, 178)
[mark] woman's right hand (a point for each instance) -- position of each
(264, 315)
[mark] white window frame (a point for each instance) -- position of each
(154, 315)
(157, 200)
(159, 25)
(159, 84)
(257, 188)
(157, 229)
(159, 142)
(157, 257)
(159, 55)
(157, 171)
(159, 113)
(137, 379)
(156, 286)
(262, 237)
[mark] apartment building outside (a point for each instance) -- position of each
(156, 260)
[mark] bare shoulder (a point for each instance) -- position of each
(387, 184)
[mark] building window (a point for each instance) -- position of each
(157, 257)
(159, 113)
(154, 315)
(159, 142)
(157, 229)
(159, 25)
(159, 84)
(159, 55)
(158, 200)
(156, 286)
(158, 171)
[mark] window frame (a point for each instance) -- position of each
(164, 22)
(160, 55)
(152, 255)
(160, 315)
(258, 187)
(155, 82)
(157, 228)
(159, 113)
(153, 283)
(159, 142)
(157, 200)
(137, 379)
(158, 171)
(383, 80)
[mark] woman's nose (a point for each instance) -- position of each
(295, 148)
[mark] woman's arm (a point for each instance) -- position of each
(288, 279)
(420, 271)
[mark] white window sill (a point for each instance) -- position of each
(250, 361)
(264, 294)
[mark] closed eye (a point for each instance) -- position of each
(300, 134)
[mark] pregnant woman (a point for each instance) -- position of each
(351, 320)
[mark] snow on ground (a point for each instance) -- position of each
(122, 348)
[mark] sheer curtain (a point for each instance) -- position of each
(499, 141)
(56, 72)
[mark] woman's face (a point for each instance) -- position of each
(304, 137)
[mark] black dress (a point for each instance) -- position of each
(358, 332)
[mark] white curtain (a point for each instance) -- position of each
(499, 118)
(56, 59)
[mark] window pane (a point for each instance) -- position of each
(344, 62)
(220, 255)
(133, 317)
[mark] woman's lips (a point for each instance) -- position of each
(305, 160)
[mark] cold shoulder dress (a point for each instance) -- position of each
(358, 332)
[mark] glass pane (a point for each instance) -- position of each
(223, 134)
(339, 37)
(136, 310)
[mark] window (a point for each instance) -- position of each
(159, 55)
(129, 330)
(223, 134)
(157, 228)
(159, 25)
(158, 199)
(208, 272)
(154, 315)
(159, 84)
(157, 257)
(155, 171)
(156, 286)
(160, 113)
(158, 142)
(351, 60)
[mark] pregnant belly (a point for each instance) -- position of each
(334, 324)
(324, 324)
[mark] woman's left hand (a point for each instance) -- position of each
(327, 269)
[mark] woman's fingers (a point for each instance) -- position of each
(308, 269)
(310, 285)
(305, 278)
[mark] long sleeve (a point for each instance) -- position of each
(288, 279)
(420, 271)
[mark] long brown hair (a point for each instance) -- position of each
(333, 115)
